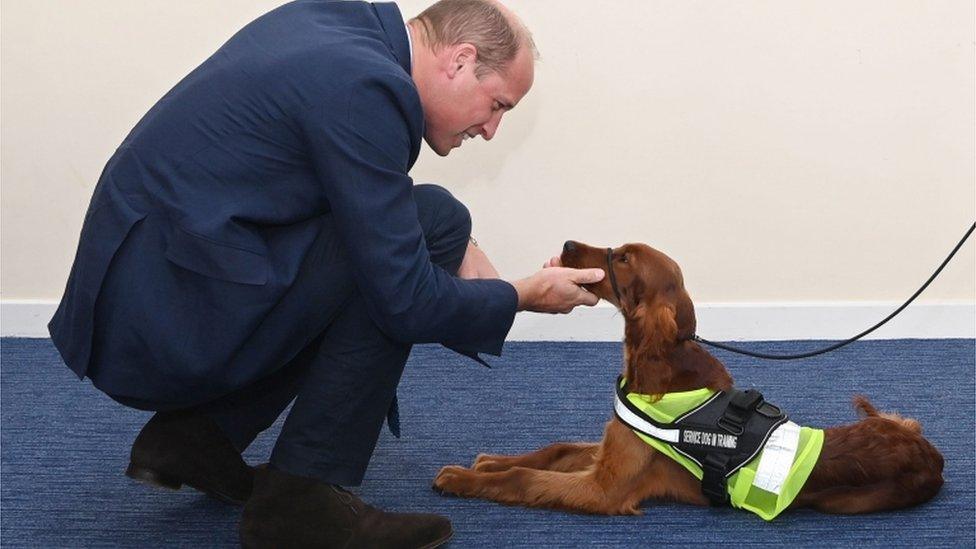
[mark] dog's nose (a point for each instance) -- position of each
(569, 247)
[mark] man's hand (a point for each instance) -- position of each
(556, 289)
(476, 264)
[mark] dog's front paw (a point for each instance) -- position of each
(488, 463)
(453, 479)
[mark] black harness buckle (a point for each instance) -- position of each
(741, 406)
(746, 400)
(713, 485)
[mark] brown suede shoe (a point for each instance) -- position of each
(177, 448)
(291, 511)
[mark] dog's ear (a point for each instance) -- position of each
(655, 330)
(684, 315)
(662, 330)
(631, 295)
(658, 329)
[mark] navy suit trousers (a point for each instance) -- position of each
(345, 380)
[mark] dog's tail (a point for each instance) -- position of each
(864, 406)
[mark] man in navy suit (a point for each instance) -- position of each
(256, 240)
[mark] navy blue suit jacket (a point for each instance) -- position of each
(308, 113)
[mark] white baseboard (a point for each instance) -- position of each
(767, 322)
(25, 318)
(716, 321)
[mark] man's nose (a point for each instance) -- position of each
(489, 129)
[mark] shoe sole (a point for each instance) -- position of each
(156, 479)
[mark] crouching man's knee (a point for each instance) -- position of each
(446, 223)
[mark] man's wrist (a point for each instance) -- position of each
(522, 288)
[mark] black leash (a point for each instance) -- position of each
(699, 339)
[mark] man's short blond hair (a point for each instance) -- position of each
(481, 23)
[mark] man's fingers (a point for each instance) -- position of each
(588, 299)
(586, 276)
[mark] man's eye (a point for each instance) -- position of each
(496, 106)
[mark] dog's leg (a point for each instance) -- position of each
(579, 491)
(562, 456)
(626, 472)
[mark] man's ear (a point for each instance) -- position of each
(464, 57)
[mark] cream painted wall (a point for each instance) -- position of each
(779, 150)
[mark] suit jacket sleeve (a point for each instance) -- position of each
(360, 141)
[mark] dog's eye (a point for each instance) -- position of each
(623, 258)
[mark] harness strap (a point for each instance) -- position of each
(613, 277)
(713, 483)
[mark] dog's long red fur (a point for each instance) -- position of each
(879, 463)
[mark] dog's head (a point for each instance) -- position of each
(652, 295)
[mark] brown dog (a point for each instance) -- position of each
(881, 462)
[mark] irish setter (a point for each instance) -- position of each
(882, 462)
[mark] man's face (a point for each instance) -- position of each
(464, 106)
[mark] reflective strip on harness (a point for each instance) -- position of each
(639, 424)
(777, 458)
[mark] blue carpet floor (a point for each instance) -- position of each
(64, 446)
